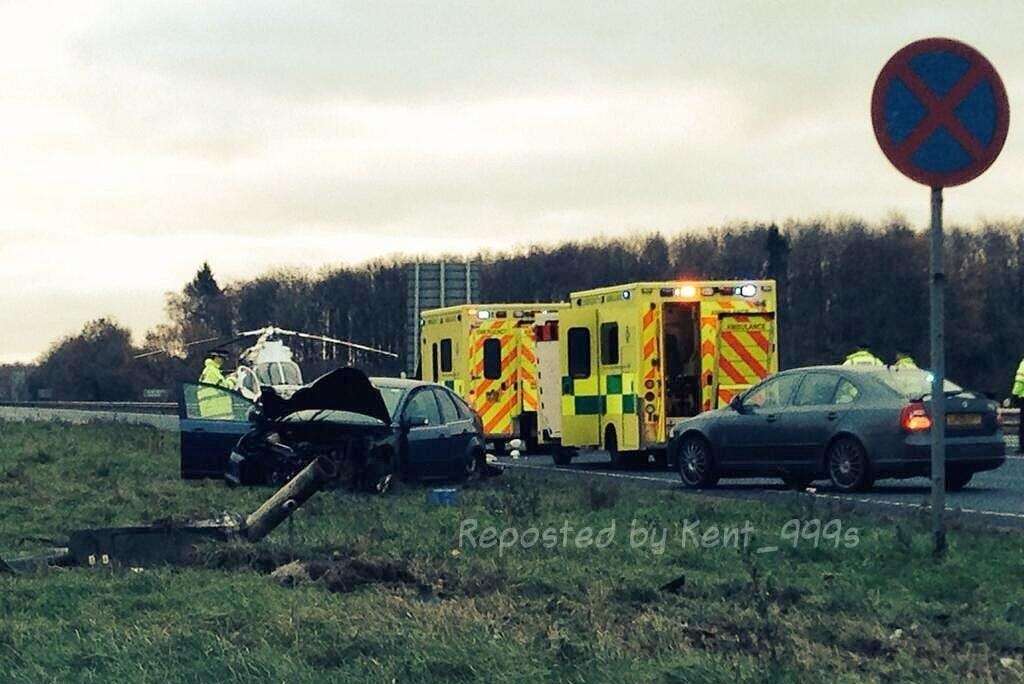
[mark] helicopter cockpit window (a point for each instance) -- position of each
(292, 375)
(263, 373)
(284, 373)
(248, 383)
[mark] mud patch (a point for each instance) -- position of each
(344, 576)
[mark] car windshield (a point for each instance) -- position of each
(391, 396)
(911, 382)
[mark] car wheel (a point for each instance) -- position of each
(797, 482)
(848, 465)
(957, 480)
(563, 455)
(696, 463)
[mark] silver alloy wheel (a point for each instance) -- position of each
(694, 462)
(846, 464)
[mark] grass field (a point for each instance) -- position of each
(400, 599)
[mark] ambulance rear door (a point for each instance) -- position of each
(494, 394)
(744, 353)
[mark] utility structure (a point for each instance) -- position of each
(434, 285)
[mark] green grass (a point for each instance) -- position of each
(882, 610)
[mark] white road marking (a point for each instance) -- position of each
(836, 497)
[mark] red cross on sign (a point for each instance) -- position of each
(940, 112)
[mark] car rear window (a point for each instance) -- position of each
(464, 410)
(449, 413)
(910, 382)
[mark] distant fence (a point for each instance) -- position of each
(161, 415)
(165, 407)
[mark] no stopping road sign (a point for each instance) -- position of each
(940, 112)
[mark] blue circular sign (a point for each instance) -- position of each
(940, 112)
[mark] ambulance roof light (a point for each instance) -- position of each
(748, 290)
(483, 314)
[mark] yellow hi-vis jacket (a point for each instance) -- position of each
(214, 403)
(1018, 381)
(862, 357)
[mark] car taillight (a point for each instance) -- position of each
(913, 418)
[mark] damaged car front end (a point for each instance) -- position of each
(340, 419)
(372, 428)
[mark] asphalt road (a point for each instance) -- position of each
(995, 497)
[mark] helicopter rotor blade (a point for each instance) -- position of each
(334, 340)
(147, 354)
(217, 338)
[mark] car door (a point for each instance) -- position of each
(752, 437)
(811, 419)
(460, 431)
(208, 437)
(426, 436)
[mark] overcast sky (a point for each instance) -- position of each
(140, 138)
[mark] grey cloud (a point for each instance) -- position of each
(401, 50)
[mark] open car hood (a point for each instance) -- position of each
(345, 389)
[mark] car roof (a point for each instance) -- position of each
(853, 368)
(401, 383)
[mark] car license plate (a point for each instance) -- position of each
(961, 420)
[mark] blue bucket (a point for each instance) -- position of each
(448, 496)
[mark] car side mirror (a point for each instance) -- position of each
(736, 404)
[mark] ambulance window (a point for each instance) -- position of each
(609, 344)
(446, 355)
(579, 352)
(492, 358)
(433, 362)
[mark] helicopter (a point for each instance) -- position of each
(269, 361)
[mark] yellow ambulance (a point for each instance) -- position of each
(485, 353)
(636, 359)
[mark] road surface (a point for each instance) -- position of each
(996, 496)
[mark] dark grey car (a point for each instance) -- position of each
(847, 423)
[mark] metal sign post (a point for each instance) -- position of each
(940, 115)
(938, 349)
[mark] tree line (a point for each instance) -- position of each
(840, 283)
